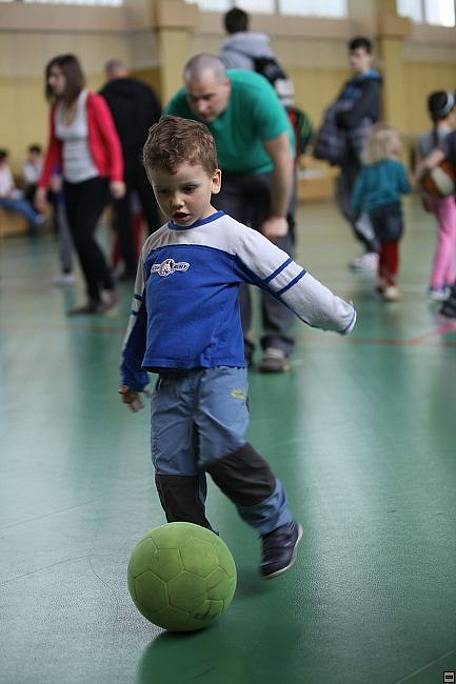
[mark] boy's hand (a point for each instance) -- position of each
(275, 227)
(131, 397)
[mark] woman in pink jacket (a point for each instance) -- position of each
(84, 145)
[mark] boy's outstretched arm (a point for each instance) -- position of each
(264, 264)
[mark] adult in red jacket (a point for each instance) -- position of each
(84, 145)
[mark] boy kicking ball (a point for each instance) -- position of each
(185, 325)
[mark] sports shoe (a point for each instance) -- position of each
(64, 280)
(92, 307)
(274, 361)
(279, 549)
(110, 299)
(365, 262)
(391, 293)
(438, 294)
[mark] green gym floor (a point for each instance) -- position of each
(362, 431)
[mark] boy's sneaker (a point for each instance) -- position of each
(274, 361)
(279, 549)
(366, 262)
(438, 294)
(391, 293)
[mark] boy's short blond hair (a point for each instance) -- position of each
(382, 143)
(173, 141)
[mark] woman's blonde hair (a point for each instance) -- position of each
(383, 143)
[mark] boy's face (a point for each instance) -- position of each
(359, 60)
(185, 196)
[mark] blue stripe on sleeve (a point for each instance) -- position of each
(293, 282)
(351, 323)
(277, 271)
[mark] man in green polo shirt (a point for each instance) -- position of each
(255, 148)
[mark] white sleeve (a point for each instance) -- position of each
(272, 269)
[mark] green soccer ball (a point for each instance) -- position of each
(181, 576)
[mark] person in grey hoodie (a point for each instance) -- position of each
(244, 49)
(241, 45)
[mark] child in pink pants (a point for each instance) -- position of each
(440, 107)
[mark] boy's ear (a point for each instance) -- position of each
(216, 182)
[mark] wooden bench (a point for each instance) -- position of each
(316, 180)
(12, 224)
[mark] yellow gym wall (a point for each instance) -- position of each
(155, 37)
(31, 35)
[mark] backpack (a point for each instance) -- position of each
(337, 145)
(272, 71)
(330, 142)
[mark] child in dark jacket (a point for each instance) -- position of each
(377, 191)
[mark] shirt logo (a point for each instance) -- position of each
(169, 266)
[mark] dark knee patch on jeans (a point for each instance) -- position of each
(180, 498)
(244, 476)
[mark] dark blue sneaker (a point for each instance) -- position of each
(279, 549)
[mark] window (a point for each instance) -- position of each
(260, 6)
(438, 12)
(105, 3)
(316, 8)
(212, 5)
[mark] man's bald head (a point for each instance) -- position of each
(203, 65)
(208, 87)
(115, 68)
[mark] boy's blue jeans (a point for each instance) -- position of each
(199, 422)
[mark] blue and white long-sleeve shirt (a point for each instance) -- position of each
(185, 310)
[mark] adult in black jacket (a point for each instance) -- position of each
(134, 107)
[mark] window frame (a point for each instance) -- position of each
(275, 9)
(424, 14)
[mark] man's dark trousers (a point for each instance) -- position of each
(247, 198)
